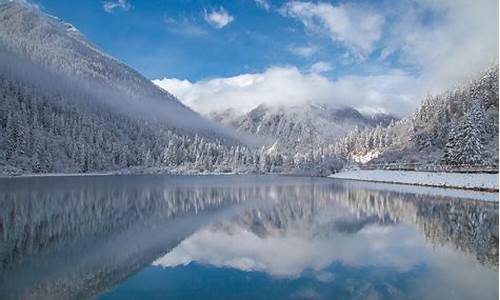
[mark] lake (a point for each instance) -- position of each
(242, 237)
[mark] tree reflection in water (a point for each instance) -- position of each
(75, 237)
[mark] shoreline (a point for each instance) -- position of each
(356, 175)
(480, 182)
(483, 194)
(115, 174)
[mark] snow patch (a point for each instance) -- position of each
(272, 149)
(480, 181)
(366, 157)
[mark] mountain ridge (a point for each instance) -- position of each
(299, 127)
(57, 40)
(68, 108)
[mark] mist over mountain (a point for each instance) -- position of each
(299, 128)
(457, 127)
(68, 107)
(55, 45)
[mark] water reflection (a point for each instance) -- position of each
(73, 238)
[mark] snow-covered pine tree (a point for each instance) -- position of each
(478, 116)
(471, 135)
(465, 143)
(452, 147)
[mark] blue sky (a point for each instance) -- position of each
(379, 56)
(172, 38)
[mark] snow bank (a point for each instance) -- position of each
(423, 190)
(439, 179)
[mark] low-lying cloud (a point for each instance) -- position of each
(288, 86)
(399, 52)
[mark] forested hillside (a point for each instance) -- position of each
(68, 107)
(299, 128)
(47, 128)
(458, 127)
(66, 130)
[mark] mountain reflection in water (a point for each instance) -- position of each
(78, 237)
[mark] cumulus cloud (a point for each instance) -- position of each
(391, 92)
(434, 46)
(178, 88)
(110, 6)
(358, 29)
(218, 18)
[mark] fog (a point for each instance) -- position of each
(163, 109)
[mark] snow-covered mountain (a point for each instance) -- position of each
(457, 127)
(69, 107)
(52, 43)
(299, 128)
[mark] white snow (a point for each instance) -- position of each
(480, 181)
(29, 175)
(366, 157)
(272, 149)
(425, 190)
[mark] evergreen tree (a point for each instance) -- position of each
(471, 143)
(465, 143)
(452, 147)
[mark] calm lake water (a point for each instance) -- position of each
(241, 237)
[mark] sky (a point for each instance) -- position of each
(377, 56)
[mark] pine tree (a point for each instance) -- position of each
(471, 137)
(452, 147)
(478, 116)
(465, 143)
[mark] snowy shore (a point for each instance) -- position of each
(481, 182)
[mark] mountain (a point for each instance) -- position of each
(69, 107)
(457, 127)
(299, 128)
(49, 41)
(58, 46)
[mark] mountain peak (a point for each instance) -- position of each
(45, 40)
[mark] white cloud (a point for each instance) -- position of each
(178, 88)
(110, 6)
(218, 18)
(392, 92)
(460, 40)
(289, 253)
(264, 4)
(321, 67)
(358, 29)
(306, 51)
(443, 43)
